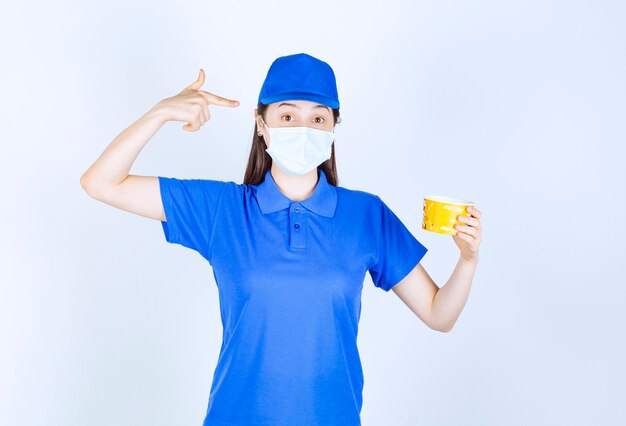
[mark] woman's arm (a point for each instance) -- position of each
(108, 178)
(113, 165)
(451, 298)
(439, 308)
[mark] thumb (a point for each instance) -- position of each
(198, 83)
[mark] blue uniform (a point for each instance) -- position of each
(289, 277)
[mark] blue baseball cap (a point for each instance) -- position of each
(300, 77)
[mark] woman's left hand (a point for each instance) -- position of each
(469, 234)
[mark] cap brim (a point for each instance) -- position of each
(301, 96)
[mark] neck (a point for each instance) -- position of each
(296, 188)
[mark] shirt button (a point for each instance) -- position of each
(297, 210)
(297, 226)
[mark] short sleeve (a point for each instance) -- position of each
(190, 207)
(398, 250)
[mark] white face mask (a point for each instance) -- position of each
(298, 150)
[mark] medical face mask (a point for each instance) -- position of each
(298, 150)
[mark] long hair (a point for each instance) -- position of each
(259, 161)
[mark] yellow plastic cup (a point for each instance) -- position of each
(441, 213)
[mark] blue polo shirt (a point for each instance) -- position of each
(289, 277)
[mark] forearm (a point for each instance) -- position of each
(115, 162)
(451, 298)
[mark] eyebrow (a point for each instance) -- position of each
(294, 105)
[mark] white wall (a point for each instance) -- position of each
(519, 106)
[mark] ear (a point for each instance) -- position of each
(259, 125)
(257, 118)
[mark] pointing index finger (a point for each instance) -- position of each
(218, 100)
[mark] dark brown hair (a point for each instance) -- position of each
(259, 161)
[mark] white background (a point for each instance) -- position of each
(517, 105)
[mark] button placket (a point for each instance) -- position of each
(297, 220)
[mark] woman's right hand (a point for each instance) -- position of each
(191, 105)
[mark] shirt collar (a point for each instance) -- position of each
(323, 200)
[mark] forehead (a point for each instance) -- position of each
(299, 105)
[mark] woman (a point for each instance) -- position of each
(289, 250)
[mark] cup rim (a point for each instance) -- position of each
(449, 200)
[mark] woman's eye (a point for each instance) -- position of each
(289, 118)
